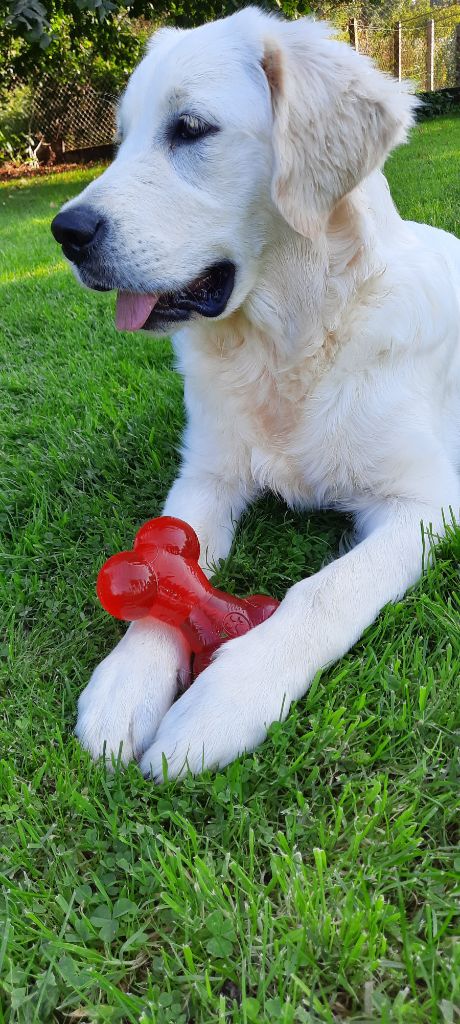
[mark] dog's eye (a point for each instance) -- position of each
(190, 127)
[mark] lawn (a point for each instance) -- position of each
(316, 880)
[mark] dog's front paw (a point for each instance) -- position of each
(225, 713)
(129, 692)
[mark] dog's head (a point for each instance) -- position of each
(225, 130)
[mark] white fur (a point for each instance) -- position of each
(333, 377)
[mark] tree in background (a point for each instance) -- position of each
(97, 42)
(103, 39)
(93, 39)
(100, 38)
(100, 41)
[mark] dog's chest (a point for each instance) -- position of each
(293, 450)
(280, 421)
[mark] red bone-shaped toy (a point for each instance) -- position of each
(161, 577)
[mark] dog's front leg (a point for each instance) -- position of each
(254, 678)
(131, 690)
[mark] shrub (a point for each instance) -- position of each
(15, 139)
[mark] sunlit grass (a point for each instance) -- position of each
(11, 277)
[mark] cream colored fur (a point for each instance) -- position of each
(333, 377)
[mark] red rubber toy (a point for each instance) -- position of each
(161, 577)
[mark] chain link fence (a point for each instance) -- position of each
(73, 119)
(423, 49)
(73, 115)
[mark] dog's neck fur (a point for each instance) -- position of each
(291, 319)
(270, 361)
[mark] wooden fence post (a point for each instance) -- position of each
(353, 33)
(397, 36)
(429, 84)
(457, 55)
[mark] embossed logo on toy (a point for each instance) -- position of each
(235, 624)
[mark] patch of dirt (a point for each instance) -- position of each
(10, 172)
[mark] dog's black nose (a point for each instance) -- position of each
(77, 230)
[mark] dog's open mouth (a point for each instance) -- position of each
(206, 295)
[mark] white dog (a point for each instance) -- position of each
(319, 339)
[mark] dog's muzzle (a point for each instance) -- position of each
(85, 239)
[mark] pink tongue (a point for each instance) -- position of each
(133, 310)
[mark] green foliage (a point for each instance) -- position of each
(443, 101)
(313, 882)
(29, 18)
(86, 38)
(14, 125)
(100, 40)
(194, 12)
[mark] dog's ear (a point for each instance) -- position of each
(335, 119)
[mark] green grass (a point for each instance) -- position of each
(314, 881)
